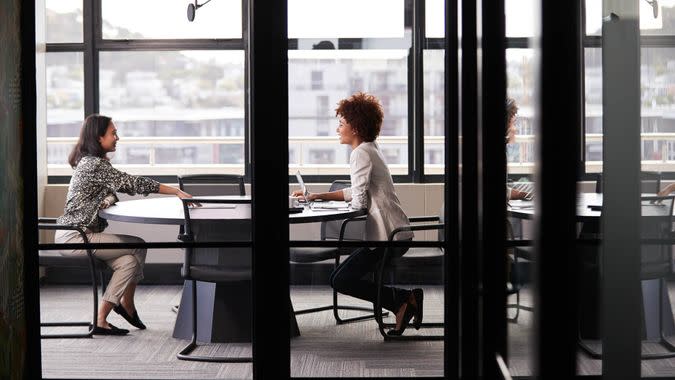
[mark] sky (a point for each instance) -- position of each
(317, 18)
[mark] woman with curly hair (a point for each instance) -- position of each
(372, 188)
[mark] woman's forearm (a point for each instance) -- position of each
(164, 189)
(337, 195)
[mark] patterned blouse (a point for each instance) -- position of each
(93, 182)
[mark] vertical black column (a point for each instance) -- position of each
(621, 290)
(31, 293)
(559, 146)
(470, 316)
(451, 199)
(493, 222)
(91, 35)
(269, 187)
(417, 73)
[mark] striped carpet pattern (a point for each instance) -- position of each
(323, 350)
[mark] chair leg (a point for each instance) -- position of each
(663, 340)
(184, 354)
(91, 325)
(382, 325)
(336, 307)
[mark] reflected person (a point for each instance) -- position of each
(372, 188)
(93, 186)
(512, 117)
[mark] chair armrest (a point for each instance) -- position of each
(46, 220)
(419, 227)
(426, 218)
(53, 226)
(345, 222)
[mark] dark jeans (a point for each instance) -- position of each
(348, 278)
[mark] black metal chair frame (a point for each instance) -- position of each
(380, 275)
(516, 287)
(335, 306)
(663, 340)
(188, 236)
(50, 224)
(207, 179)
(379, 279)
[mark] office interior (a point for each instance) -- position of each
(561, 284)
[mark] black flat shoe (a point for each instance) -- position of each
(407, 316)
(133, 320)
(111, 331)
(418, 294)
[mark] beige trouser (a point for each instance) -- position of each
(127, 264)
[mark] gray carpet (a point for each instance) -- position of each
(323, 350)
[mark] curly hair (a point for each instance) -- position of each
(364, 114)
(511, 109)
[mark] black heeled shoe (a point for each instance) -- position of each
(133, 320)
(111, 331)
(407, 316)
(418, 294)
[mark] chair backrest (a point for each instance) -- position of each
(656, 223)
(214, 230)
(650, 182)
(331, 230)
(212, 184)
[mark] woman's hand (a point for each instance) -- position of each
(183, 195)
(517, 194)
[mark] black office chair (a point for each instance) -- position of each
(650, 182)
(520, 263)
(56, 260)
(332, 231)
(209, 184)
(237, 269)
(655, 262)
(424, 257)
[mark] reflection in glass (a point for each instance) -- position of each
(663, 24)
(63, 19)
(318, 79)
(161, 99)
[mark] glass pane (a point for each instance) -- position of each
(658, 99)
(184, 107)
(65, 104)
(345, 19)
(520, 157)
(128, 19)
(662, 24)
(318, 79)
(520, 16)
(63, 20)
(434, 17)
(434, 112)
(521, 73)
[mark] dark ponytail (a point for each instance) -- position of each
(93, 127)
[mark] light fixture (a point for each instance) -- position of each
(192, 9)
(655, 7)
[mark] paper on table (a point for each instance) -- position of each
(214, 205)
(331, 205)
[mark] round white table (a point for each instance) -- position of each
(589, 212)
(216, 301)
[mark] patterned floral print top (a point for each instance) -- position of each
(94, 181)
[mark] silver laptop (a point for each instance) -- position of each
(527, 187)
(305, 192)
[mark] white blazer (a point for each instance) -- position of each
(373, 189)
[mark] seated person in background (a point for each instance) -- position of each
(512, 116)
(372, 188)
(93, 186)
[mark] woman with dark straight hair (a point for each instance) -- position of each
(93, 186)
